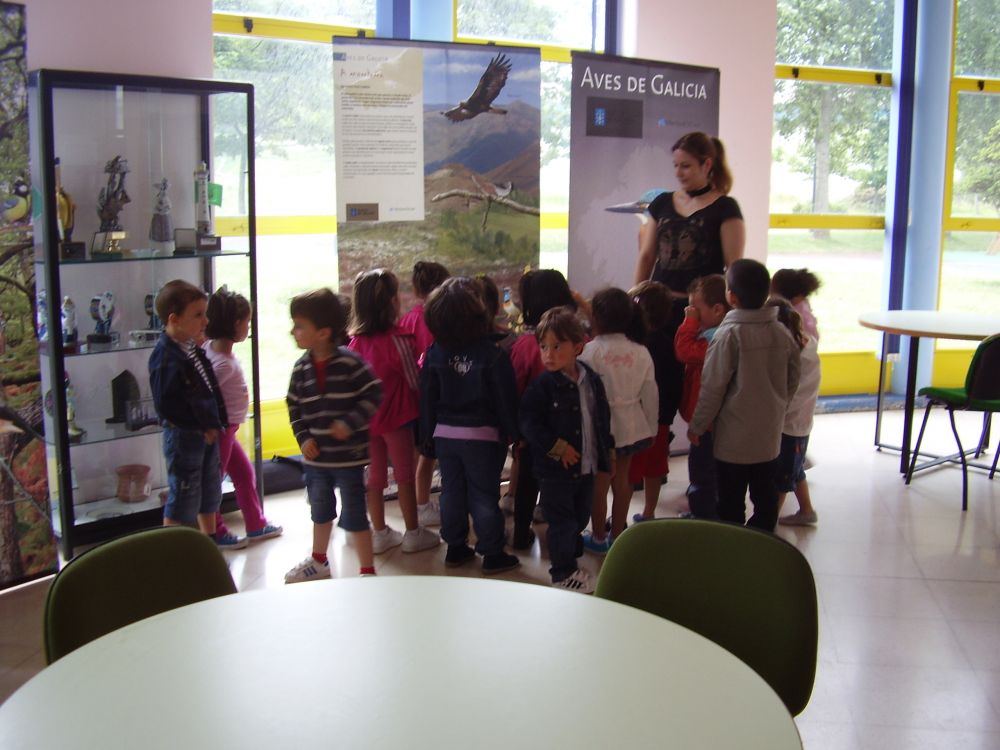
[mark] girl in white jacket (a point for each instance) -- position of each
(626, 369)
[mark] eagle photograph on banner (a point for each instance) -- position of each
(438, 152)
(625, 116)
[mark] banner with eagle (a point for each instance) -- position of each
(625, 115)
(437, 157)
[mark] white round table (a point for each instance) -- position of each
(917, 324)
(399, 662)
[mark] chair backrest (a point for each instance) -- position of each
(748, 591)
(128, 579)
(982, 382)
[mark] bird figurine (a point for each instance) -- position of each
(18, 206)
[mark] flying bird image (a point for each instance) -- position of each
(490, 85)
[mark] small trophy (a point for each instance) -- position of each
(110, 201)
(66, 219)
(206, 241)
(102, 310)
(69, 332)
(74, 430)
(151, 333)
(161, 225)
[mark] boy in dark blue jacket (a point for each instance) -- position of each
(468, 417)
(567, 422)
(189, 404)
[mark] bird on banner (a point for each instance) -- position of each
(490, 85)
(18, 206)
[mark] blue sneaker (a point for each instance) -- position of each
(268, 532)
(230, 541)
(639, 518)
(596, 547)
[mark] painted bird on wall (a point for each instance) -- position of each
(490, 85)
(18, 206)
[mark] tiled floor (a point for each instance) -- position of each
(909, 591)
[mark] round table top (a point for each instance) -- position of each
(939, 324)
(399, 662)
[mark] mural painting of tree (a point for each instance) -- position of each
(26, 542)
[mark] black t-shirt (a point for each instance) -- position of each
(689, 246)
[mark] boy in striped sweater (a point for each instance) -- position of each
(331, 398)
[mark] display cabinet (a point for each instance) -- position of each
(127, 173)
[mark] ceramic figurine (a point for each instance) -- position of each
(69, 321)
(42, 316)
(102, 310)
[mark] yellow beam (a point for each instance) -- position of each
(816, 74)
(976, 85)
(241, 24)
(550, 53)
(960, 224)
(826, 221)
(236, 226)
(551, 220)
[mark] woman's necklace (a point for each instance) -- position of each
(699, 191)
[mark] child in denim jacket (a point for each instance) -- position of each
(567, 423)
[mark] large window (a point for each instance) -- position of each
(282, 47)
(830, 150)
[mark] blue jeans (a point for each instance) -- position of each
(566, 504)
(320, 484)
(702, 491)
(192, 475)
(470, 484)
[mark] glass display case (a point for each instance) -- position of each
(125, 173)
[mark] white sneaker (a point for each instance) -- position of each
(385, 540)
(429, 514)
(581, 581)
(308, 570)
(419, 539)
(507, 503)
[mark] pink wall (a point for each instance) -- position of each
(738, 38)
(152, 37)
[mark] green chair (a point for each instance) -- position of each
(128, 579)
(980, 393)
(750, 592)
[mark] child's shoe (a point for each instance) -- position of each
(498, 563)
(639, 518)
(581, 581)
(419, 539)
(429, 514)
(230, 541)
(309, 569)
(268, 532)
(385, 540)
(522, 541)
(596, 546)
(458, 555)
(798, 518)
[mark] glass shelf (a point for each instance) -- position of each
(86, 349)
(128, 258)
(99, 431)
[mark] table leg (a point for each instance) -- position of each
(881, 392)
(911, 397)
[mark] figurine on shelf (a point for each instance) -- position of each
(155, 324)
(102, 310)
(66, 220)
(112, 198)
(42, 315)
(76, 432)
(161, 226)
(205, 239)
(69, 332)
